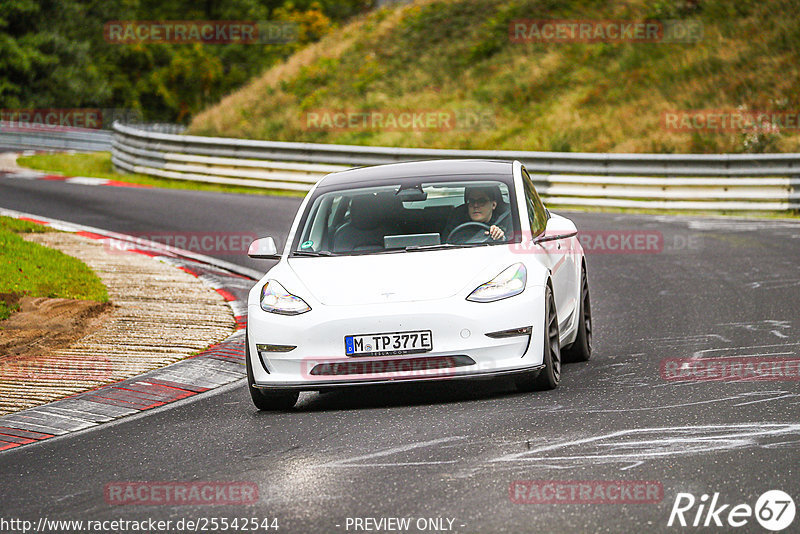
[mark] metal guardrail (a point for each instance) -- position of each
(661, 181)
(41, 137)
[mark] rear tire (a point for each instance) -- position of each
(550, 376)
(581, 349)
(272, 401)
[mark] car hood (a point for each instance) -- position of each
(397, 277)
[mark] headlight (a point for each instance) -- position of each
(506, 284)
(275, 299)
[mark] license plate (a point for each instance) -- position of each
(393, 343)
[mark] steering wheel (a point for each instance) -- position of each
(480, 225)
(461, 227)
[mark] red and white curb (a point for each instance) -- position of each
(79, 180)
(214, 367)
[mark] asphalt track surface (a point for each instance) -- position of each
(715, 288)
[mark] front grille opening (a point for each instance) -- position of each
(397, 365)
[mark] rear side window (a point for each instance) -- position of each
(536, 212)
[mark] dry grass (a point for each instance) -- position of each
(456, 55)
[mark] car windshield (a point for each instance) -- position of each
(407, 217)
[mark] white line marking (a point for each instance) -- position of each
(700, 353)
(790, 395)
(635, 464)
(682, 405)
(667, 442)
(394, 450)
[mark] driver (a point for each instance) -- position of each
(480, 206)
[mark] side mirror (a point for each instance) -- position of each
(557, 228)
(554, 237)
(263, 248)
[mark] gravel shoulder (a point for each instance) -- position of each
(158, 315)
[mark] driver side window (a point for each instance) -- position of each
(537, 215)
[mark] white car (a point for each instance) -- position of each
(432, 270)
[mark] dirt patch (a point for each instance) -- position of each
(9, 302)
(42, 325)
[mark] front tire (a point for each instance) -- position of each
(550, 376)
(581, 349)
(272, 401)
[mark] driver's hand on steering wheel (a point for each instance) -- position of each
(495, 233)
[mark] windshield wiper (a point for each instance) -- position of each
(312, 253)
(416, 248)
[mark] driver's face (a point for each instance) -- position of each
(480, 208)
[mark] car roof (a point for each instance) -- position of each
(418, 169)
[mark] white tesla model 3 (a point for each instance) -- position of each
(432, 270)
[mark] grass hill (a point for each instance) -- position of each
(457, 56)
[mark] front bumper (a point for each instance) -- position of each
(459, 330)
